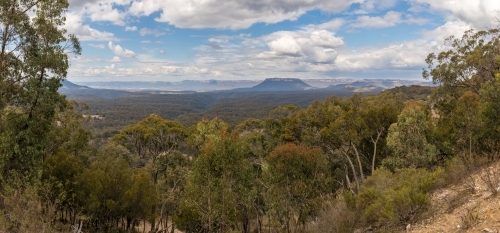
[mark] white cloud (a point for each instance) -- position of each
(84, 32)
(285, 45)
(331, 25)
(410, 54)
(119, 51)
(99, 46)
(479, 13)
(451, 28)
(184, 70)
(325, 39)
(390, 19)
(218, 40)
(162, 51)
(147, 31)
(146, 42)
(115, 59)
(401, 55)
(104, 11)
(235, 14)
(131, 29)
(371, 5)
(301, 47)
(83, 59)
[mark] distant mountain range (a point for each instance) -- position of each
(270, 84)
(73, 90)
(344, 86)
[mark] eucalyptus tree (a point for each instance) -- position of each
(470, 64)
(155, 141)
(379, 112)
(151, 139)
(219, 192)
(34, 51)
(296, 178)
(407, 138)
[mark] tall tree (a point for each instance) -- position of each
(295, 178)
(471, 61)
(33, 61)
(466, 124)
(219, 188)
(153, 139)
(407, 138)
(379, 112)
(490, 108)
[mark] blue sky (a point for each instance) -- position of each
(174, 40)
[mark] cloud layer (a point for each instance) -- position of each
(318, 48)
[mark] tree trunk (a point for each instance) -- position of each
(375, 142)
(352, 168)
(359, 163)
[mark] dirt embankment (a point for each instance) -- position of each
(468, 206)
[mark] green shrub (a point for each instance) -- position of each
(394, 198)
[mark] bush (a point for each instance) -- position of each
(491, 178)
(458, 169)
(395, 198)
(336, 217)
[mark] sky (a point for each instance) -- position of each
(174, 40)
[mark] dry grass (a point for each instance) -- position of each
(455, 208)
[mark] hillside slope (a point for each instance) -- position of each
(468, 206)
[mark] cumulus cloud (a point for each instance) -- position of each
(105, 11)
(303, 46)
(119, 51)
(131, 29)
(84, 32)
(285, 45)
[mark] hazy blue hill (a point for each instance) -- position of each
(281, 84)
(185, 85)
(132, 85)
(72, 91)
(69, 85)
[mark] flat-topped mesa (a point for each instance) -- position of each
(281, 84)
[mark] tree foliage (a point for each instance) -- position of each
(296, 178)
(33, 61)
